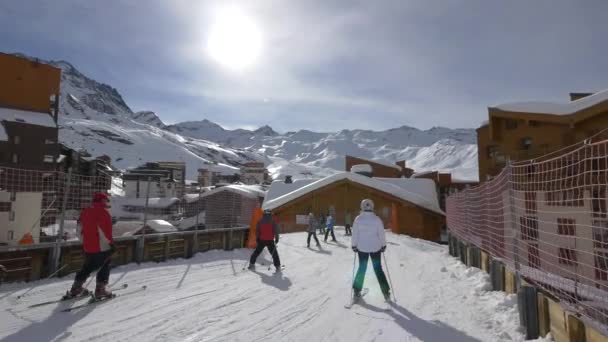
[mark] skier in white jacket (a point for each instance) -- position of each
(369, 240)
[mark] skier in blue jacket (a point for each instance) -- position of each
(329, 228)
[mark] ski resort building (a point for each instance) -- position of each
(522, 131)
(28, 140)
(379, 168)
(446, 184)
(253, 173)
(406, 206)
(231, 205)
(167, 179)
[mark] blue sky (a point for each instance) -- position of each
(325, 65)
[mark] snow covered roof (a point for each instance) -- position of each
(361, 168)
(28, 117)
(556, 108)
(251, 191)
(421, 192)
(279, 188)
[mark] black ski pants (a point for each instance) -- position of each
(347, 229)
(377, 263)
(333, 236)
(271, 248)
(313, 234)
(92, 262)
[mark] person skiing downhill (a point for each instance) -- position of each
(267, 235)
(98, 246)
(369, 240)
(329, 228)
(312, 229)
(348, 221)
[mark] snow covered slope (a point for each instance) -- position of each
(434, 149)
(210, 298)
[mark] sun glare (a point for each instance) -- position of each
(234, 40)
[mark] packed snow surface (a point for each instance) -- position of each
(211, 298)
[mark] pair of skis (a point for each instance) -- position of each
(95, 300)
(356, 299)
(86, 294)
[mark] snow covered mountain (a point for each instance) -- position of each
(94, 117)
(438, 148)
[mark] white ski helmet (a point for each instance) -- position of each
(367, 205)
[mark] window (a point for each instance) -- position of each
(492, 151)
(49, 141)
(598, 201)
(13, 196)
(386, 212)
(530, 200)
(15, 158)
(529, 227)
(48, 158)
(567, 256)
(16, 140)
(601, 265)
(533, 256)
(526, 143)
(600, 234)
(535, 123)
(511, 124)
(11, 216)
(566, 226)
(10, 235)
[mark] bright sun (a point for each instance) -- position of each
(235, 40)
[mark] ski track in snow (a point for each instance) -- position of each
(211, 298)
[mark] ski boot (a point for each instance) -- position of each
(387, 296)
(76, 290)
(251, 267)
(102, 292)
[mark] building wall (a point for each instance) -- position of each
(138, 188)
(26, 84)
(26, 209)
(35, 142)
(345, 196)
(378, 170)
(549, 241)
(548, 134)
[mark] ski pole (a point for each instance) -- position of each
(50, 276)
(352, 278)
(388, 272)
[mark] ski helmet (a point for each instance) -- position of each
(367, 205)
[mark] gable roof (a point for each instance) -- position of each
(420, 192)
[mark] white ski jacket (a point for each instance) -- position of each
(368, 233)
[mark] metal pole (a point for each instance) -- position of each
(64, 204)
(142, 238)
(198, 213)
(515, 238)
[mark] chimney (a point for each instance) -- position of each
(578, 96)
(401, 164)
(288, 179)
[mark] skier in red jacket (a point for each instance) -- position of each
(267, 235)
(97, 243)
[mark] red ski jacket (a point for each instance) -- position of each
(266, 229)
(96, 224)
